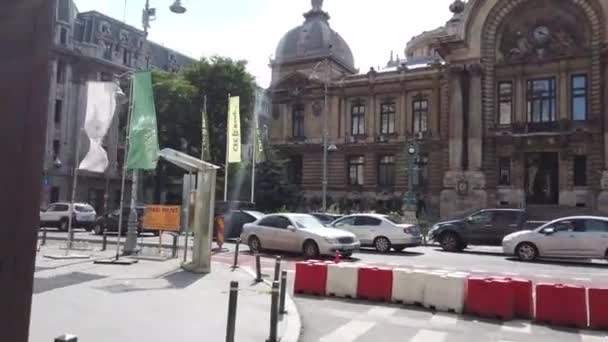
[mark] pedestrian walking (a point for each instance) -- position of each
(219, 228)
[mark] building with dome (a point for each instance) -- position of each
(507, 104)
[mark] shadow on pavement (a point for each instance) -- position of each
(64, 280)
(391, 253)
(472, 252)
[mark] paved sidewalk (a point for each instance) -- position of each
(149, 301)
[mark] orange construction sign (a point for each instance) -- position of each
(162, 217)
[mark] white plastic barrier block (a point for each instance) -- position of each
(342, 280)
(445, 291)
(409, 285)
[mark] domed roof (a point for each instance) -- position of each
(313, 39)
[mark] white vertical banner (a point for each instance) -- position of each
(101, 105)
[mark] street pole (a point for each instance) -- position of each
(254, 155)
(325, 110)
(73, 198)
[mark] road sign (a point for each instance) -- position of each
(162, 217)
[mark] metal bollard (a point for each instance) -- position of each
(258, 269)
(43, 237)
(274, 310)
(66, 338)
(236, 254)
(174, 247)
(232, 301)
(283, 293)
(104, 242)
(277, 268)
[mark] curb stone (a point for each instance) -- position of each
(293, 324)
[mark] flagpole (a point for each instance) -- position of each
(227, 151)
(254, 155)
(124, 171)
(204, 125)
(74, 185)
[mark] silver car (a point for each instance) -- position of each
(298, 233)
(582, 237)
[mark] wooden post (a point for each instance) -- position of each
(26, 28)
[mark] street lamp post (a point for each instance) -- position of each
(409, 200)
(149, 14)
(325, 134)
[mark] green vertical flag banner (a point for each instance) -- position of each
(234, 131)
(143, 131)
(205, 136)
(261, 110)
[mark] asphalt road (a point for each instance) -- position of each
(331, 320)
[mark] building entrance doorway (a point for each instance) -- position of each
(542, 178)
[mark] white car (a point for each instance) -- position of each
(57, 215)
(298, 233)
(582, 237)
(380, 231)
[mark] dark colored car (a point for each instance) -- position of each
(486, 227)
(326, 219)
(109, 223)
(235, 219)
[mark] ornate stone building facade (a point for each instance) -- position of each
(91, 46)
(509, 110)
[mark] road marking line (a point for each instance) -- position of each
(349, 332)
(582, 279)
(519, 327)
(429, 336)
(510, 273)
(593, 337)
(443, 319)
(479, 271)
(379, 311)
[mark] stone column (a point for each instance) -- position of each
(435, 108)
(475, 121)
(563, 107)
(456, 117)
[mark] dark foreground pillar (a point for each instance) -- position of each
(26, 27)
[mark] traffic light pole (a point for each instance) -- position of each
(409, 200)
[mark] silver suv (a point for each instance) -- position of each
(57, 215)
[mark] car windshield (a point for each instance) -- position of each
(394, 219)
(84, 208)
(256, 214)
(307, 222)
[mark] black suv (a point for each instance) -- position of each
(109, 222)
(485, 227)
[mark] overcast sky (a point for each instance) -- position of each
(251, 29)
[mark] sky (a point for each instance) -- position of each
(251, 29)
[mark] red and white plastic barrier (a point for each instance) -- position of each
(561, 305)
(342, 280)
(445, 291)
(493, 297)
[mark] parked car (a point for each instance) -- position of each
(380, 231)
(582, 237)
(236, 219)
(109, 223)
(298, 233)
(326, 219)
(486, 227)
(57, 215)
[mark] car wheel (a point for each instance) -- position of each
(526, 251)
(255, 245)
(98, 230)
(311, 250)
(63, 225)
(382, 244)
(450, 242)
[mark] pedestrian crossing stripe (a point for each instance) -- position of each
(349, 332)
(429, 336)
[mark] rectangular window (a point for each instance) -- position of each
(294, 172)
(297, 121)
(505, 102)
(63, 36)
(386, 170)
(126, 57)
(541, 100)
(421, 114)
(579, 97)
(56, 149)
(387, 118)
(55, 194)
(358, 119)
(58, 111)
(60, 76)
(580, 171)
(504, 171)
(355, 170)
(107, 50)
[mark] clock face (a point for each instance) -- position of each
(542, 35)
(411, 150)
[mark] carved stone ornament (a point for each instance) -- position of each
(531, 36)
(462, 187)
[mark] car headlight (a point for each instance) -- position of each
(331, 241)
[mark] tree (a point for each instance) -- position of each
(273, 191)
